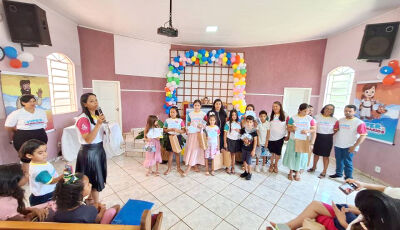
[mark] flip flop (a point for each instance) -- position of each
(207, 173)
(311, 170)
(321, 176)
(227, 171)
(297, 178)
(212, 173)
(290, 176)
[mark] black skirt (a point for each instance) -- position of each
(323, 144)
(234, 146)
(276, 146)
(92, 162)
(168, 146)
(20, 136)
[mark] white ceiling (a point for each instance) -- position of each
(240, 22)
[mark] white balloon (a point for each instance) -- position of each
(195, 53)
(380, 76)
(213, 58)
(176, 75)
(170, 74)
(214, 52)
(25, 56)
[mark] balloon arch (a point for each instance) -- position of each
(203, 57)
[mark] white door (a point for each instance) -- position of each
(109, 96)
(293, 97)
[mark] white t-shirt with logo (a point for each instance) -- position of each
(277, 128)
(325, 125)
(40, 177)
(262, 130)
(349, 130)
(25, 120)
(232, 134)
(302, 123)
(84, 126)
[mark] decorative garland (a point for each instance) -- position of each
(205, 57)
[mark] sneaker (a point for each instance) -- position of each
(257, 168)
(248, 177)
(264, 169)
(244, 174)
(334, 176)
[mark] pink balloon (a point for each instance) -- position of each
(233, 59)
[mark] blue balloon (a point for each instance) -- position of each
(222, 51)
(229, 62)
(25, 64)
(228, 55)
(187, 54)
(176, 59)
(209, 60)
(191, 53)
(204, 59)
(165, 106)
(386, 70)
(180, 67)
(10, 52)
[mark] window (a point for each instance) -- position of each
(338, 88)
(199, 81)
(62, 83)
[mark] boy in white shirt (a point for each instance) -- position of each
(262, 148)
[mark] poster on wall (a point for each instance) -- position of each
(14, 85)
(378, 106)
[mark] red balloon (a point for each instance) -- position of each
(396, 71)
(15, 63)
(237, 59)
(197, 61)
(389, 80)
(394, 64)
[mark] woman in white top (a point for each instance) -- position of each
(276, 133)
(91, 159)
(27, 123)
(324, 140)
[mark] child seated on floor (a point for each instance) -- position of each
(69, 195)
(12, 206)
(42, 174)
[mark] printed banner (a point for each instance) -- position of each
(378, 106)
(14, 85)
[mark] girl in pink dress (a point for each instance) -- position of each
(212, 142)
(194, 154)
(153, 148)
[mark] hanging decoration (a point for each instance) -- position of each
(391, 71)
(203, 57)
(17, 61)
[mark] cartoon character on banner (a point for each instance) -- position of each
(367, 101)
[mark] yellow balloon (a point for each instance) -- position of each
(241, 60)
(234, 66)
(243, 110)
(193, 58)
(224, 59)
(207, 54)
(238, 71)
(244, 92)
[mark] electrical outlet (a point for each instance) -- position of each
(377, 169)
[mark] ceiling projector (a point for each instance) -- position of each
(167, 31)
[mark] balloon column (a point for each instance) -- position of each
(18, 60)
(391, 71)
(201, 57)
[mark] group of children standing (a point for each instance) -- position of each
(251, 135)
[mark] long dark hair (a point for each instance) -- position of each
(212, 114)
(177, 112)
(150, 123)
(380, 211)
(222, 109)
(10, 175)
(230, 119)
(68, 196)
(281, 112)
(85, 110)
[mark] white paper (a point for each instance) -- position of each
(174, 126)
(299, 136)
(155, 133)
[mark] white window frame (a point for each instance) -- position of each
(71, 83)
(339, 71)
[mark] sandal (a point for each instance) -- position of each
(156, 173)
(276, 169)
(212, 173)
(290, 176)
(227, 170)
(311, 170)
(207, 173)
(322, 175)
(271, 168)
(232, 170)
(297, 177)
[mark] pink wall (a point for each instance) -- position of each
(342, 50)
(271, 69)
(65, 40)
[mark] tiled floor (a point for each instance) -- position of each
(217, 202)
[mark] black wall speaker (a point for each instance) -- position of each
(378, 40)
(27, 23)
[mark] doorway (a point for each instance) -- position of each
(109, 96)
(293, 97)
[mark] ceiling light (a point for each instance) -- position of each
(212, 28)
